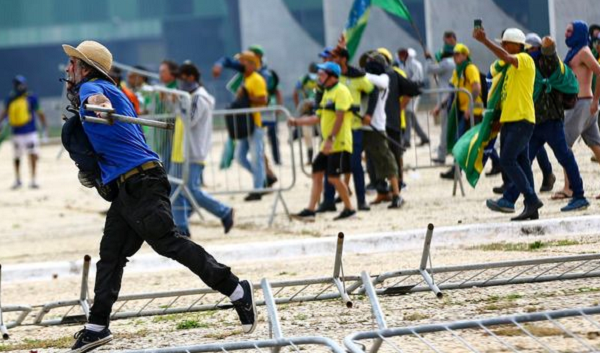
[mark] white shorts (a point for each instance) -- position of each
(26, 143)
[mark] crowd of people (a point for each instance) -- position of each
(364, 117)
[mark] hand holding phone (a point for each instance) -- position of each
(477, 23)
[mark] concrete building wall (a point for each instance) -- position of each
(565, 11)
(289, 49)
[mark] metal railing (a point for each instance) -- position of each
(554, 331)
(234, 179)
(276, 343)
(337, 286)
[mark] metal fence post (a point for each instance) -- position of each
(423, 267)
(274, 325)
(83, 294)
(3, 328)
(375, 308)
(338, 268)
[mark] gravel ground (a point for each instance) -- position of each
(331, 318)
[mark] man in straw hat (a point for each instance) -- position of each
(141, 211)
(518, 113)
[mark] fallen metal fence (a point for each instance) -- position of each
(568, 330)
(337, 286)
(277, 342)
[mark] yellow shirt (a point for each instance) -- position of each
(402, 113)
(256, 86)
(517, 91)
(335, 99)
(471, 76)
(357, 86)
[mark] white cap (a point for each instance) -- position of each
(513, 35)
(412, 53)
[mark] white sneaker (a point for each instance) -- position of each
(16, 185)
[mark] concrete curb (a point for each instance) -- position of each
(365, 243)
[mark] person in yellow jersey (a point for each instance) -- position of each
(465, 75)
(335, 116)
(255, 87)
(518, 113)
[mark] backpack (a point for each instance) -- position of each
(241, 125)
(18, 111)
(76, 142)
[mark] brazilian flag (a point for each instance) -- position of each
(359, 16)
(472, 149)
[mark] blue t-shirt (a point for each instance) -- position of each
(33, 107)
(122, 146)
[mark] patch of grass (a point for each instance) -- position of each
(538, 331)
(285, 273)
(536, 245)
(301, 317)
(416, 316)
(190, 324)
(33, 344)
(588, 289)
(514, 296)
(498, 306)
(222, 335)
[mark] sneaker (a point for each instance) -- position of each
(88, 340)
(255, 196)
(227, 221)
(498, 190)
(364, 207)
(548, 183)
(449, 174)
(270, 181)
(496, 169)
(305, 215)
(34, 185)
(424, 143)
(16, 185)
(246, 308)
(576, 204)
(397, 202)
(326, 207)
(502, 205)
(346, 213)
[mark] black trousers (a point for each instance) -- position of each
(142, 212)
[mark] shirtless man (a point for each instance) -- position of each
(582, 120)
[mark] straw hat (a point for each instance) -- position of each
(93, 54)
(250, 56)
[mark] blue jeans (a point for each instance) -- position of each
(553, 133)
(542, 158)
(254, 144)
(514, 157)
(273, 141)
(358, 173)
(182, 208)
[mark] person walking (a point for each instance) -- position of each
(414, 71)
(553, 81)
(200, 137)
(334, 159)
(21, 109)
(518, 113)
(140, 211)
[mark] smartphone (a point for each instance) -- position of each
(477, 23)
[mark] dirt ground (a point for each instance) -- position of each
(63, 220)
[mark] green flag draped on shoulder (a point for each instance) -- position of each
(470, 150)
(359, 17)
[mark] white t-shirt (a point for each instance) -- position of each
(382, 82)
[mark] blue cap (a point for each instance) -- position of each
(20, 79)
(326, 53)
(331, 68)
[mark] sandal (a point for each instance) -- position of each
(560, 195)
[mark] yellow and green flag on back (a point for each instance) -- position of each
(359, 16)
(472, 149)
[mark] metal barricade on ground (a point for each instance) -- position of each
(569, 330)
(239, 177)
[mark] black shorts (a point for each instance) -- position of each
(333, 164)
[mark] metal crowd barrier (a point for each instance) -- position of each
(337, 286)
(568, 330)
(414, 163)
(234, 179)
(276, 343)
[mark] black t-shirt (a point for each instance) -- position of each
(399, 86)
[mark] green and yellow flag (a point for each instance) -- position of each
(359, 16)
(472, 149)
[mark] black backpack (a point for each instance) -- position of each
(76, 142)
(240, 126)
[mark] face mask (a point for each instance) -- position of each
(188, 86)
